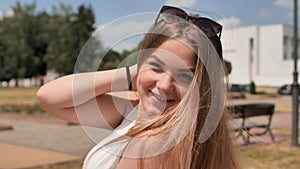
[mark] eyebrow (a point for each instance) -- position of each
(158, 59)
(182, 70)
(188, 70)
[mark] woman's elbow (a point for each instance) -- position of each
(43, 98)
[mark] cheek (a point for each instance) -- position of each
(144, 80)
(183, 89)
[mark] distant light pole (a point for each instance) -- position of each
(295, 91)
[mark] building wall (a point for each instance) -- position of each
(271, 53)
(236, 48)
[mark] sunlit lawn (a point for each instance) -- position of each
(19, 100)
(18, 95)
(271, 156)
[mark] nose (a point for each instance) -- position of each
(166, 83)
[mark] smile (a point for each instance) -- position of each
(160, 98)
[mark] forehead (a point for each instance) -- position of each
(177, 52)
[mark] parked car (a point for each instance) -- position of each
(237, 91)
(285, 89)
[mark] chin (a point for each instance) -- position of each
(150, 113)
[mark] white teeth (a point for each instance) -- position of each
(160, 98)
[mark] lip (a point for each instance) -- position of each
(160, 98)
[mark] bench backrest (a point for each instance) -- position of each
(237, 111)
(259, 110)
(252, 109)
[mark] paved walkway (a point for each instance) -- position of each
(35, 143)
(14, 156)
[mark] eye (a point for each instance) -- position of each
(156, 66)
(185, 77)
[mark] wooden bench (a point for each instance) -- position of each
(252, 115)
(5, 127)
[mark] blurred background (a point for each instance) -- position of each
(41, 40)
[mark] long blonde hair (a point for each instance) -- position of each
(173, 140)
(189, 153)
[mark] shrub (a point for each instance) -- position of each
(252, 89)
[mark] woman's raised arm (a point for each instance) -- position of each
(74, 96)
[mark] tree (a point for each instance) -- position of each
(7, 63)
(18, 33)
(69, 31)
(32, 42)
(60, 41)
(84, 22)
(90, 56)
(28, 40)
(110, 60)
(41, 43)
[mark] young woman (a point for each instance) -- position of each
(175, 117)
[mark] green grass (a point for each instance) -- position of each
(265, 93)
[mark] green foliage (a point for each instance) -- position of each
(70, 31)
(32, 42)
(113, 59)
(252, 88)
(21, 108)
(90, 56)
(228, 66)
(24, 41)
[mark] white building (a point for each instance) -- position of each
(262, 54)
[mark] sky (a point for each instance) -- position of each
(121, 18)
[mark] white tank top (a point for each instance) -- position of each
(107, 157)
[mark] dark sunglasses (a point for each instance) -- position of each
(173, 14)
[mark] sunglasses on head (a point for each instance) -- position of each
(172, 14)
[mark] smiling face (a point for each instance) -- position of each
(164, 77)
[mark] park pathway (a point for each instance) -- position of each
(33, 143)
